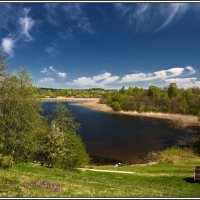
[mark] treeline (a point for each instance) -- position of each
(155, 99)
(26, 135)
(76, 93)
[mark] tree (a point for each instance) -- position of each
(116, 106)
(62, 146)
(20, 121)
(154, 92)
(64, 119)
(173, 91)
(122, 90)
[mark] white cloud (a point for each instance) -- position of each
(160, 78)
(96, 81)
(184, 82)
(51, 68)
(190, 69)
(52, 71)
(62, 74)
(8, 44)
(47, 80)
(16, 22)
(44, 70)
(27, 24)
(143, 77)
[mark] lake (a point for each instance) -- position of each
(111, 138)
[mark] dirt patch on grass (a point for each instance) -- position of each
(54, 187)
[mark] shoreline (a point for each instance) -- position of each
(180, 120)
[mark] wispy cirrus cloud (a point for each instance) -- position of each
(173, 11)
(152, 17)
(71, 16)
(52, 50)
(15, 20)
(26, 23)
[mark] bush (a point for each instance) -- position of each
(74, 155)
(61, 146)
(6, 161)
(172, 155)
(116, 106)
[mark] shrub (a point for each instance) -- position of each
(172, 155)
(152, 157)
(116, 106)
(6, 161)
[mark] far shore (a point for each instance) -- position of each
(93, 103)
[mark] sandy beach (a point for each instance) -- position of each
(93, 103)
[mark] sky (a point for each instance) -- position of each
(107, 45)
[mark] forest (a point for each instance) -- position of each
(170, 99)
(76, 93)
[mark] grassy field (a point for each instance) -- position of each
(160, 180)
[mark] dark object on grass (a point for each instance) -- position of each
(197, 173)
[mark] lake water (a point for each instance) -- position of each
(111, 138)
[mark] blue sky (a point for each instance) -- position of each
(103, 44)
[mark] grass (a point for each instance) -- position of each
(160, 180)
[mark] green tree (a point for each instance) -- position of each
(62, 146)
(173, 91)
(20, 121)
(122, 90)
(116, 106)
(154, 92)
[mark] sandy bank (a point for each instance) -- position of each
(178, 119)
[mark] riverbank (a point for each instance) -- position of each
(93, 103)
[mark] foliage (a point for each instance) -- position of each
(76, 93)
(172, 155)
(115, 106)
(62, 147)
(6, 161)
(172, 90)
(25, 134)
(64, 118)
(19, 116)
(154, 99)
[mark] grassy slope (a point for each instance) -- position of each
(162, 180)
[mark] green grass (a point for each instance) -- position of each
(161, 180)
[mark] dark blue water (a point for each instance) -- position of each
(111, 138)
